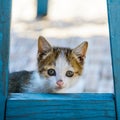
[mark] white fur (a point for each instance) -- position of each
(38, 83)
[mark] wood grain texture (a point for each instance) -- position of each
(60, 106)
(42, 6)
(2, 97)
(114, 29)
(5, 10)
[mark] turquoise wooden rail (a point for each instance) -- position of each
(42, 6)
(59, 106)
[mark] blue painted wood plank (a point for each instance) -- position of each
(2, 98)
(114, 29)
(60, 106)
(1, 50)
(42, 7)
(64, 96)
(5, 10)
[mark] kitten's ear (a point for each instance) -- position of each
(80, 51)
(43, 45)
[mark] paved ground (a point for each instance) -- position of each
(97, 76)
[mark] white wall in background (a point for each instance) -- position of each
(23, 10)
(86, 9)
(61, 9)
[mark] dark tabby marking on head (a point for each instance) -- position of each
(48, 55)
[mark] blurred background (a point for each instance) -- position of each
(68, 23)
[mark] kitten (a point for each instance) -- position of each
(58, 70)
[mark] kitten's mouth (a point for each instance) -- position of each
(59, 87)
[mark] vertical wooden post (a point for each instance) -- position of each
(42, 6)
(5, 10)
(114, 28)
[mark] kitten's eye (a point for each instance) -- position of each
(69, 73)
(51, 72)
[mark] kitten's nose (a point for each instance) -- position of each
(59, 83)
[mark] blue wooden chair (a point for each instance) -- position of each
(59, 106)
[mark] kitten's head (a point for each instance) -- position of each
(61, 67)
